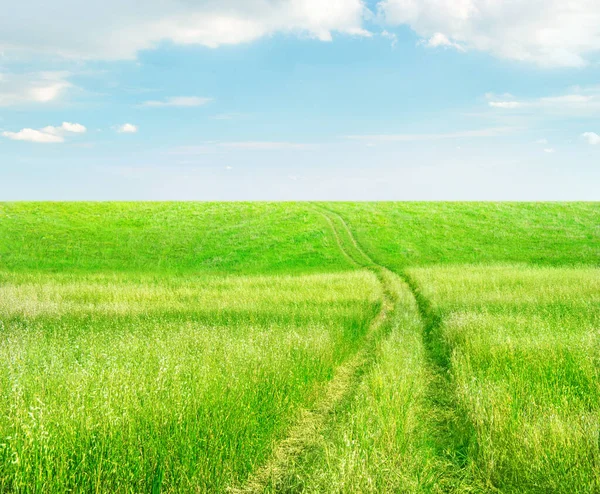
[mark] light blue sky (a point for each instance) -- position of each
(291, 99)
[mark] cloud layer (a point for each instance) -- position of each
(119, 29)
(545, 32)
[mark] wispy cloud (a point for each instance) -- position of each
(32, 88)
(391, 37)
(211, 147)
(577, 101)
(491, 132)
(266, 145)
(229, 116)
(178, 102)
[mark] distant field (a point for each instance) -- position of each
(243, 238)
(339, 347)
(429, 233)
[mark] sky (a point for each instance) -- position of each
(300, 100)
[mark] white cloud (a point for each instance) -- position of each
(47, 135)
(543, 142)
(591, 138)
(32, 135)
(555, 33)
(178, 101)
(441, 40)
(75, 128)
(505, 104)
(127, 129)
(491, 132)
(549, 150)
(119, 29)
(41, 87)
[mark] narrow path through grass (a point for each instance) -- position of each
(450, 434)
(347, 377)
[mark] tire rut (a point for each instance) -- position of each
(454, 440)
(312, 422)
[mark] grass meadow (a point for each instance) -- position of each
(297, 347)
(118, 383)
(522, 345)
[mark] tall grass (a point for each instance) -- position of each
(524, 359)
(118, 383)
(379, 442)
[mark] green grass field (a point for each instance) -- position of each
(296, 347)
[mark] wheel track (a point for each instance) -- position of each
(454, 433)
(312, 422)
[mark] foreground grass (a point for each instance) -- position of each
(521, 345)
(379, 442)
(118, 383)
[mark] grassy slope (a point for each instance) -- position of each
(271, 237)
(166, 237)
(416, 234)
